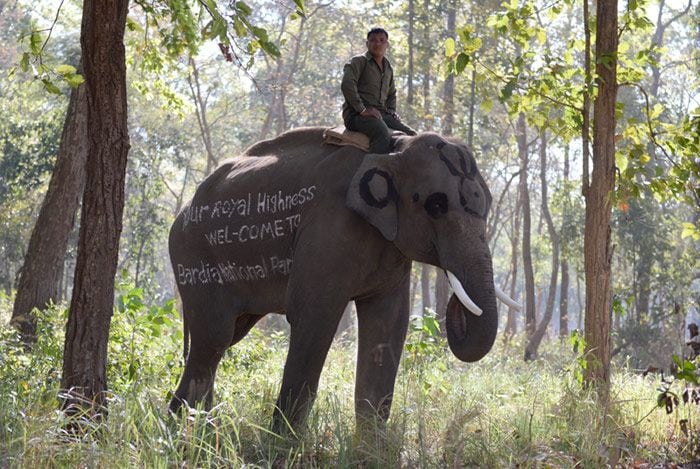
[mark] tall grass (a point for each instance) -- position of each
(499, 412)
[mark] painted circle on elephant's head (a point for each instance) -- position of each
(377, 188)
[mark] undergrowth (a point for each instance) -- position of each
(499, 412)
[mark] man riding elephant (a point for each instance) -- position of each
(370, 94)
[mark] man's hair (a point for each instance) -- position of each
(377, 31)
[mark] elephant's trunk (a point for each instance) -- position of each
(471, 336)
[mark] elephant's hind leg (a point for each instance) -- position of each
(212, 329)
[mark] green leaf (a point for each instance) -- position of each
(65, 69)
(239, 27)
(24, 62)
(270, 48)
(690, 230)
(75, 80)
(35, 43)
(449, 47)
(50, 87)
(541, 36)
(260, 33)
(301, 9)
(244, 8)
(462, 62)
(486, 106)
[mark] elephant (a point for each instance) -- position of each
(298, 227)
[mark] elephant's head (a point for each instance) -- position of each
(431, 202)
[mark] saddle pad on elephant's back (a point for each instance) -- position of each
(341, 136)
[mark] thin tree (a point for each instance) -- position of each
(596, 246)
(564, 268)
(200, 107)
(42, 272)
(441, 286)
(84, 378)
(524, 196)
(534, 342)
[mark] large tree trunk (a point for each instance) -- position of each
(85, 354)
(530, 315)
(42, 273)
(596, 246)
(536, 339)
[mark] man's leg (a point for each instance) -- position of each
(376, 130)
(394, 123)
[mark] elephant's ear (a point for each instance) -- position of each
(372, 193)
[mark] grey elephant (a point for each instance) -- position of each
(297, 227)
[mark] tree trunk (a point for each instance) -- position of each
(472, 107)
(85, 354)
(200, 106)
(425, 288)
(564, 300)
(511, 322)
(530, 315)
(564, 286)
(42, 273)
(427, 65)
(346, 320)
(414, 286)
(411, 47)
(536, 339)
(442, 295)
(449, 90)
(597, 249)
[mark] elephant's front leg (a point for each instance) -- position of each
(313, 319)
(382, 324)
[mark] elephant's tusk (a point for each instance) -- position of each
(501, 295)
(462, 295)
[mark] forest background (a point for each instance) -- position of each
(507, 78)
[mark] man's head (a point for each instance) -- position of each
(377, 42)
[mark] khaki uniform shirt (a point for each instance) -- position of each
(366, 85)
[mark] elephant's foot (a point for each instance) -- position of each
(196, 391)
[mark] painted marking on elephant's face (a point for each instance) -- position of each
(463, 167)
(222, 273)
(377, 189)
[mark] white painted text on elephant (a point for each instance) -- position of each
(280, 202)
(259, 232)
(265, 203)
(230, 272)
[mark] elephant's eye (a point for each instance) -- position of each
(436, 204)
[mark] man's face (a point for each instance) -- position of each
(377, 44)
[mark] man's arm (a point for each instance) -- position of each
(351, 73)
(391, 97)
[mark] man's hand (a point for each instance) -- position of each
(371, 112)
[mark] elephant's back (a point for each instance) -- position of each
(304, 141)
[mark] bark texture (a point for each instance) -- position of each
(41, 275)
(597, 249)
(85, 354)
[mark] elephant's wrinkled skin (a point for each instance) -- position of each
(300, 228)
